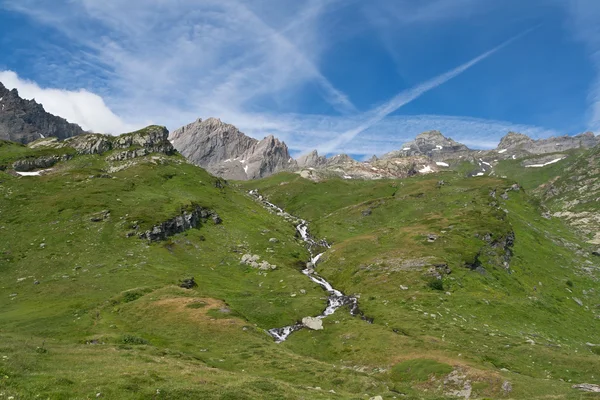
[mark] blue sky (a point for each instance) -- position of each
(353, 76)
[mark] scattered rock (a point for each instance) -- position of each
(431, 238)
(507, 387)
(376, 398)
(252, 261)
(576, 300)
(367, 212)
(313, 323)
(100, 216)
(596, 252)
(274, 240)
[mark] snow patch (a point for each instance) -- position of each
(35, 173)
(486, 163)
(438, 147)
(479, 174)
(441, 164)
(246, 169)
(228, 160)
(347, 177)
(543, 165)
(406, 148)
(514, 157)
(502, 151)
(426, 170)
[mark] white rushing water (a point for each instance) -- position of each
(336, 298)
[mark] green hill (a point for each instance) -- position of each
(471, 290)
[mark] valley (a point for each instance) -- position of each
(468, 286)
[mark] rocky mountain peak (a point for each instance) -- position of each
(311, 160)
(226, 152)
(431, 144)
(24, 121)
(512, 139)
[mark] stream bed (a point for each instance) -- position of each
(336, 299)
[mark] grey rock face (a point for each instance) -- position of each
(514, 142)
(224, 151)
(24, 121)
(431, 144)
(312, 160)
(30, 164)
(152, 139)
(181, 223)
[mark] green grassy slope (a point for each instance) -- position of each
(85, 309)
(485, 318)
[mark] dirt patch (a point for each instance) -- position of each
(183, 307)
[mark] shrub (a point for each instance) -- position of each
(130, 339)
(436, 284)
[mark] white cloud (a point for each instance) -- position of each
(81, 107)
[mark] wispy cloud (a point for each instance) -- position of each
(170, 62)
(407, 96)
(585, 15)
(165, 59)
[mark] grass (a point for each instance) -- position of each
(110, 318)
(419, 370)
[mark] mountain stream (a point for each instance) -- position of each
(336, 299)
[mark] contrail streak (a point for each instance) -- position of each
(408, 95)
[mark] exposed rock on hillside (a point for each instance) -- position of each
(224, 151)
(575, 195)
(345, 167)
(181, 223)
(24, 121)
(518, 142)
(30, 164)
(153, 139)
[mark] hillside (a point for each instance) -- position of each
(465, 290)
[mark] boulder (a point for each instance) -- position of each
(587, 387)
(316, 324)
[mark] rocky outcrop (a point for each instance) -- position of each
(152, 139)
(587, 387)
(188, 219)
(517, 142)
(24, 121)
(30, 164)
(226, 152)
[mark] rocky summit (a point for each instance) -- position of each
(432, 144)
(226, 152)
(24, 121)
